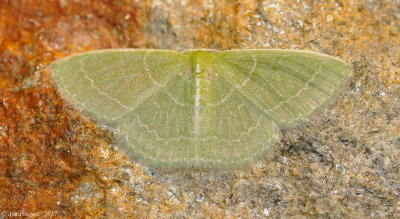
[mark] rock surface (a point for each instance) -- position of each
(342, 163)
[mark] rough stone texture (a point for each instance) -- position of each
(343, 163)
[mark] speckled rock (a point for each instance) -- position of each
(342, 163)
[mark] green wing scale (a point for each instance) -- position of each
(199, 108)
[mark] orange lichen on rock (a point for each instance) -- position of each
(38, 172)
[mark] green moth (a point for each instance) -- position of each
(199, 108)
